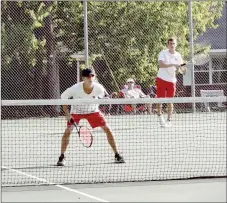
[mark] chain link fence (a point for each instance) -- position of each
(42, 46)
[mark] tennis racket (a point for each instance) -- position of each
(85, 134)
(182, 69)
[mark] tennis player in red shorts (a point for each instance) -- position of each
(169, 60)
(88, 89)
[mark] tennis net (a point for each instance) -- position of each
(193, 147)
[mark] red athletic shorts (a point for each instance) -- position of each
(95, 119)
(165, 88)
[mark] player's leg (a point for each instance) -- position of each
(98, 120)
(110, 138)
(170, 111)
(148, 106)
(161, 93)
(65, 140)
(64, 144)
(171, 90)
(111, 141)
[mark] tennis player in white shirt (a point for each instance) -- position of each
(88, 89)
(169, 60)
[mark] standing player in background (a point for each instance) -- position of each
(88, 89)
(169, 60)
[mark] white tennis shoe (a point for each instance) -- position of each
(168, 123)
(161, 121)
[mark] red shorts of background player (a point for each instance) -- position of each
(165, 88)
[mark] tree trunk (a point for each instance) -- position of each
(53, 91)
(38, 86)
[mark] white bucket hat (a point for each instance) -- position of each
(130, 80)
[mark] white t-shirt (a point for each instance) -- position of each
(77, 92)
(133, 93)
(169, 74)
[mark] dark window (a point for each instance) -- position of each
(201, 77)
(219, 64)
(219, 77)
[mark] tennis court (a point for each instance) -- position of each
(195, 146)
(158, 160)
(206, 190)
(45, 48)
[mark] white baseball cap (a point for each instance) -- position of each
(130, 80)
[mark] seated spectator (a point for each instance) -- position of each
(133, 92)
(110, 109)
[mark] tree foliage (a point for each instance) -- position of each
(126, 36)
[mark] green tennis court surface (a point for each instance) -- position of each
(195, 146)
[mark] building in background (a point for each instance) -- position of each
(211, 74)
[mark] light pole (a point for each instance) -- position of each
(85, 33)
(79, 57)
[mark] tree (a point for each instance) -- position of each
(52, 68)
(16, 47)
(127, 35)
(130, 35)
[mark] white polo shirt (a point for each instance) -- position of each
(169, 74)
(77, 92)
(133, 93)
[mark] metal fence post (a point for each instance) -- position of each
(85, 33)
(191, 52)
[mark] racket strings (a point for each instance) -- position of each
(86, 136)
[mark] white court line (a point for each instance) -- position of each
(60, 186)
